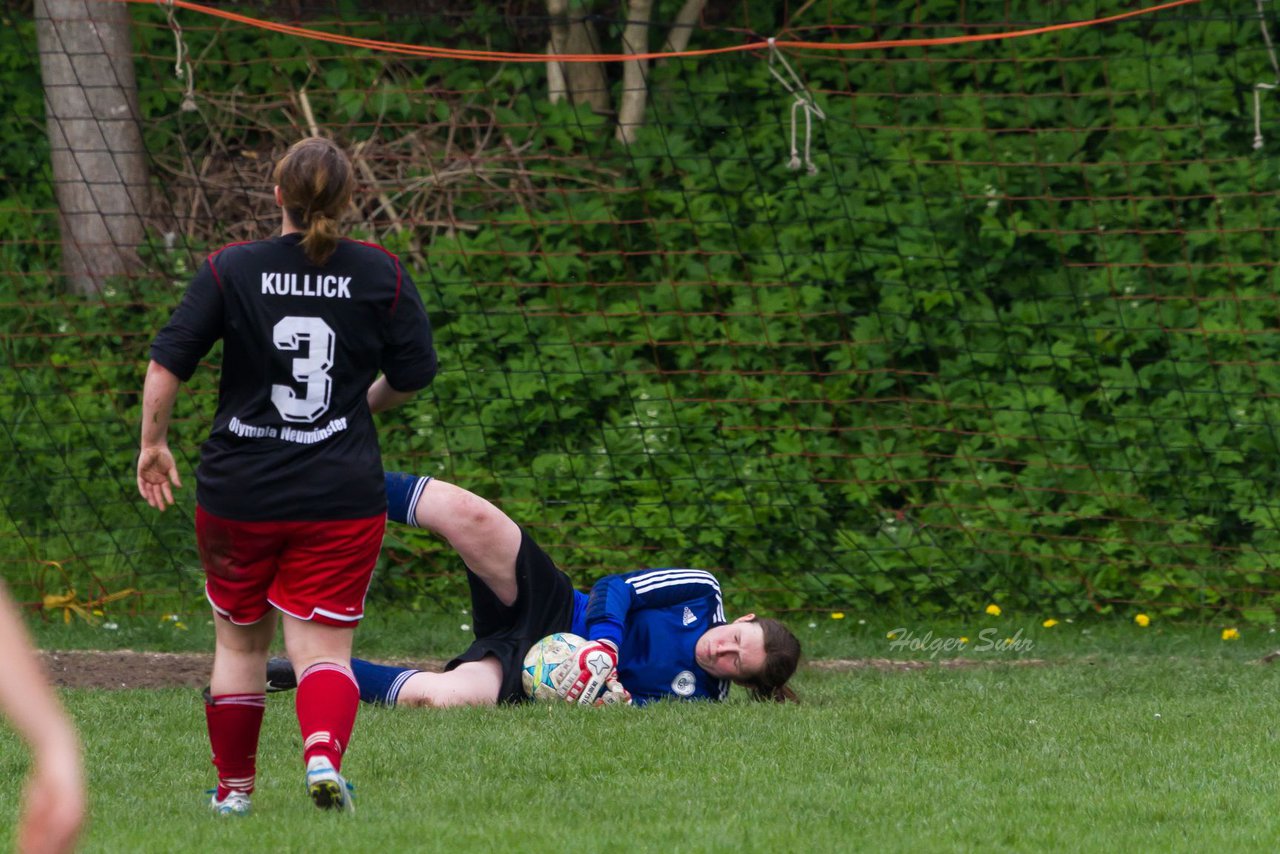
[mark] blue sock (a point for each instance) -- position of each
(380, 684)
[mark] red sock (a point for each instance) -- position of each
(327, 702)
(235, 720)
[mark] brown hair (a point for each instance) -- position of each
(781, 656)
(316, 183)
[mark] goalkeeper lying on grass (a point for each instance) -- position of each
(653, 633)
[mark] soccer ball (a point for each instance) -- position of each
(544, 657)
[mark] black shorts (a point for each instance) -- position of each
(543, 606)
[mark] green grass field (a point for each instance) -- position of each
(1161, 738)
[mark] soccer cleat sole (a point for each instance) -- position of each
(329, 795)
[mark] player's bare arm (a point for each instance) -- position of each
(157, 470)
(381, 396)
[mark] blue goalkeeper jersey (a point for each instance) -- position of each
(655, 616)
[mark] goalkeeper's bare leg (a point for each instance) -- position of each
(472, 683)
(486, 539)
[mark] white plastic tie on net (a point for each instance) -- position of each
(803, 102)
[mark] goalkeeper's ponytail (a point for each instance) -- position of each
(316, 182)
(781, 657)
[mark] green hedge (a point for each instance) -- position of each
(1016, 341)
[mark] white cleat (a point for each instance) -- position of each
(235, 803)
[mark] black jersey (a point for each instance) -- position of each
(293, 438)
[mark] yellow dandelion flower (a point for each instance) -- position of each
(964, 640)
(1142, 620)
(891, 635)
(837, 615)
(1049, 623)
(993, 609)
(1230, 634)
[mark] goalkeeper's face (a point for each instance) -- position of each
(732, 651)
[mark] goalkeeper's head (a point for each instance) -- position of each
(314, 184)
(781, 656)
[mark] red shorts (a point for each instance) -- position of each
(310, 570)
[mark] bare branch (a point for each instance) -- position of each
(306, 112)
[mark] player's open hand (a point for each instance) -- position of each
(53, 804)
(157, 475)
(582, 678)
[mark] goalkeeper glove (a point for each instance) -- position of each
(581, 679)
(614, 694)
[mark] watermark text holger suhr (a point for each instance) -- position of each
(988, 640)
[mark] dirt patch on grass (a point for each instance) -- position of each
(119, 669)
(126, 669)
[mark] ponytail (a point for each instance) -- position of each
(321, 238)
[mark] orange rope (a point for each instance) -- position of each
(497, 56)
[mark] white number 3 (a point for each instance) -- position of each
(311, 368)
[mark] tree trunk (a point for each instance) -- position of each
(98, 160)
(583, 82)
(635, 76)
(682, 27)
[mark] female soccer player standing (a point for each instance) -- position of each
(291, 504)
